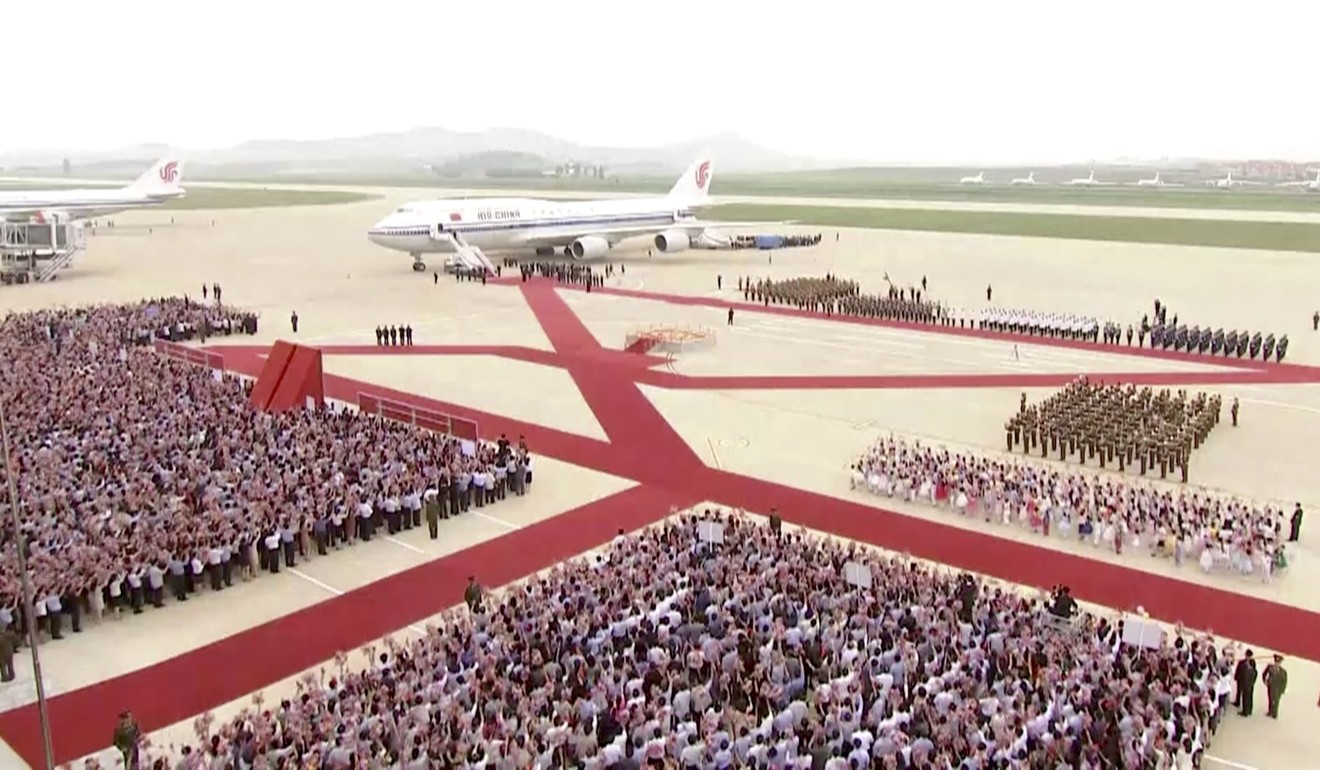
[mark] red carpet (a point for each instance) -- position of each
(643, 447)
(173, 690)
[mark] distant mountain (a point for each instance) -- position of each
(419, 147)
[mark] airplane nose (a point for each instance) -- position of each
(376, 233)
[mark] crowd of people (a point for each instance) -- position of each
(1116, 424)
(573, 273)
(1214, 530)
(671, 651)
(738, 242)
(140, 476)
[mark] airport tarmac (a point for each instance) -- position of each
(317, 261)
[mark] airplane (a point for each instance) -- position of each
(582, 230)
(1030, 180)
(1156, 182)
(1227, 182)
(1088, 181)
(160, 183)
(1310, 185)
(978, 179)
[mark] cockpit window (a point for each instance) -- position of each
(403, 210)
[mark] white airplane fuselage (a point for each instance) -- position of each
(159, 184)
(78, 204)
(508, 224)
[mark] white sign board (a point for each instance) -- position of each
(710, 532)
(857, 574)
(1142, 633)
(469, 448)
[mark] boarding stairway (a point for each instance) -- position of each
(470, 256)
(62, 258)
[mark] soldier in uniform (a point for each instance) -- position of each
(1242, 344)
(1156, 336)
(1217, 342)
(1129, 335)
(1142, 332)
(1230, 342)
(1233, 411)
(9, 643)
(432, 506)
(1255, 344)
(1281, 349)
(1267, 349)
(472, 594)
(1276, 683)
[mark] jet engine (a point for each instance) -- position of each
(50, 217)
(589, 247)
(672, 241)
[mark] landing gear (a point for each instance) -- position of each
(418, 265)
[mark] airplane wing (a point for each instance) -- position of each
(614, 234)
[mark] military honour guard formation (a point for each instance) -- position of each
(833, 295)
(1116, 425)
(1166, 333)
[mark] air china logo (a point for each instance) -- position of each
(703, 175)
(169, 172)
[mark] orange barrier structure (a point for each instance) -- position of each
(428, 419)
(668, 339)
(292, 378)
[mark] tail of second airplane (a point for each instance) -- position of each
(163, 178)
(693, 188)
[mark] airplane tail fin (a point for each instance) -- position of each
(694, 186)
(166, 176)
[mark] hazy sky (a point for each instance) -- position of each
(932, 81)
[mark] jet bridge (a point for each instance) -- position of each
(36, 251)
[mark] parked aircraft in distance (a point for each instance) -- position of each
(1309, 185)
(978, 179)
(1155, 182)
(1087, 181)
(160, 183)
(581, 230)
(1229, 182)
(1029, 180)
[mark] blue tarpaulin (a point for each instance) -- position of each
(769, 241)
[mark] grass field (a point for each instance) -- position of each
(200, 197)
(885, 184)
(255, 198)
(1273, 236)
